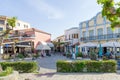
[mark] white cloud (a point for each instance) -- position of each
(49, 10)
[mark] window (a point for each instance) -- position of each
(69, 37)
(84, 33)
(1, 29)
(25, 26)
(91, 32)
(2, 22)
(100, 33)
(18, 24)
(76, 36)
(118, 30)
(109, 30)
(109, 33)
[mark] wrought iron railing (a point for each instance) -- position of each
(101, 37)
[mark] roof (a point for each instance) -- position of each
(37, 30)
(72, 28)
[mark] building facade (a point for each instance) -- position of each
(19, 24)
(71, 39)
(59, 43)
(98, 30)
(25, 40)
(22, 36)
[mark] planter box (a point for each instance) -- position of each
(13, 76)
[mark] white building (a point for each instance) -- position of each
(19, 24)
(71, 39)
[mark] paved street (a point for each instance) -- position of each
(48, 72)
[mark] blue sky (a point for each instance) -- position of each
(52, 16)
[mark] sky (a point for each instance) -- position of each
(52, 16)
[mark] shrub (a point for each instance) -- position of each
(36, 55)
(79, 54)
(20, 66)
(109, 66)
(66, 66)
(7, 71)
(68, 55)
(86, 66)
(94, 66)
(20, 55)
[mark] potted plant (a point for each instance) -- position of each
(93, 55)
(79, 55)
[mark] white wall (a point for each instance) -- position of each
(70, 32)
(23, 25)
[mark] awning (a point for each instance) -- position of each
(22, 45)
(50, 44)
(111, 44)
(89, 44)
(43, 46)
(77, 43)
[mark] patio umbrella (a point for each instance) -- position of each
(76, 48)
(100, 50)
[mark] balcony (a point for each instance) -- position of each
(101, 37)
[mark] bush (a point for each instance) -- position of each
(22, 66)
(86, 66)
(36, 55)
(20, 55)
(7, 71)
(79, 54)
(68, 55)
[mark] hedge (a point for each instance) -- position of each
(86, 66)
(22, 66)
(7, 71)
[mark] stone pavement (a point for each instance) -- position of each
(48, 72)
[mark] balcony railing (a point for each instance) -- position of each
(101, 37)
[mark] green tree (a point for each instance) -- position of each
(12, 23)
(9, 27)
(111, 10)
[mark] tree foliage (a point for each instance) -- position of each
(111, 10)
(10, 23)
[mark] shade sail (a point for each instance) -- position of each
(89, 44)
(111, 44)
(43, 46)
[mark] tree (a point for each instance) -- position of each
(9, 27)
(111, 10)
(12, 22)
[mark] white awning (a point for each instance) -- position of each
(89, 44)
(50, 44)
(111, 44)
(43, 46)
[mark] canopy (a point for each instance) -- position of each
(23, 46)
(50, 44)
(43, 46)
(89, 44)
(111, 44)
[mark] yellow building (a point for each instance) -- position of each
(98, 30)
(59, 43)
